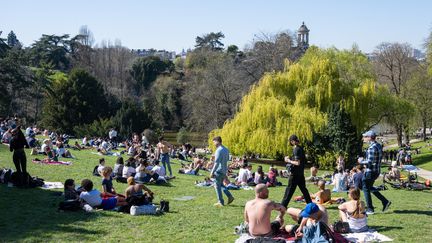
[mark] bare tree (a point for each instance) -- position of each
(394, 63)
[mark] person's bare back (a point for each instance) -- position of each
(258, 212)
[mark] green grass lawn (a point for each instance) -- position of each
(424, 159)
(31, 214)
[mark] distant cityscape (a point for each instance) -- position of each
(302, 43)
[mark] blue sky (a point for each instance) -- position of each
(173, 25)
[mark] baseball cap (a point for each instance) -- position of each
(369, 133)
(310, 208)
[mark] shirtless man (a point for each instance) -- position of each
(258, 211)
(323, 195)
(163, 149)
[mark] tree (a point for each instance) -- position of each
(131, 118)
(3, 46)
(211, 41)
(146, 69)
(419, 93)
(342, 134)
(51, 49)
(394, 63)
(76, 101)
(182, 136)
(12, 40)
(298, 99)
(212, 85)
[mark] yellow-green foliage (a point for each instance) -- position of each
(296, 101)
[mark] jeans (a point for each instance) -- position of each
(293, 182)
(166, 161)
(19, 159)
(219, 186)
(368, 181)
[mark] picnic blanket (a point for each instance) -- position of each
(51, 162)
(370, 236)
(410, 168)
(52, 185)
(108, 154)
(244, 237)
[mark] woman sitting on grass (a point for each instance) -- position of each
(134, 189)
(107, 185)
(69, 190)
(94, 198)
(354, 212)
(143, 174)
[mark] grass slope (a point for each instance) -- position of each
(31, 214)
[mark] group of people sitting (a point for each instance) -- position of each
(107, 198)
(257, 216)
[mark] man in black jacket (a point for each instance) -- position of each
(296, 177)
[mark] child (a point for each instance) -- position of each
(101, 165)
(69, 190)
(107, 186)
(94, 198)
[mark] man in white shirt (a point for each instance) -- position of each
(158, 169)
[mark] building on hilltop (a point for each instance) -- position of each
(303, 37)
(162, 54)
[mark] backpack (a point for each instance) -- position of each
(341, 227)
(95, 171)
(5, 175)
(69, 205)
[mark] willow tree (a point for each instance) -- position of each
(298, 99)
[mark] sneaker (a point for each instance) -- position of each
(370, 212)
(218, 205)
(386, 206)
(230, 200)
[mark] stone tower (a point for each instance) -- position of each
(303, 37)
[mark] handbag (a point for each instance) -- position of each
(341, 227)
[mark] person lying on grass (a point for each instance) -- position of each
(354, 212)
(94, 198)
(191, 169)
(257, 214)
(312, 214)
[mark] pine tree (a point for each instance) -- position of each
(12, 40)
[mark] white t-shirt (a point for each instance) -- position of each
(243, 175)
(128, 171)
(100, 168)
(92, 197)
(159, 170)
(43, 147)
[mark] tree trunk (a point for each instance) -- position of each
(399, 134)
(424, 130)
(407, 134)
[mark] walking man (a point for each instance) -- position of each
(373, 167)
(295, 167)
(219, 171)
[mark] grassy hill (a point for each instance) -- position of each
(31, 214)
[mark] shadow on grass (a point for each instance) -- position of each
(381, 228)
(416, 212)
(31, 214)
(422, 159)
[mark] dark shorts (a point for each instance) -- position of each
(275, 228)
(109, 203)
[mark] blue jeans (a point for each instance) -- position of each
(368, 181)
(219, 186)
(166, 161)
